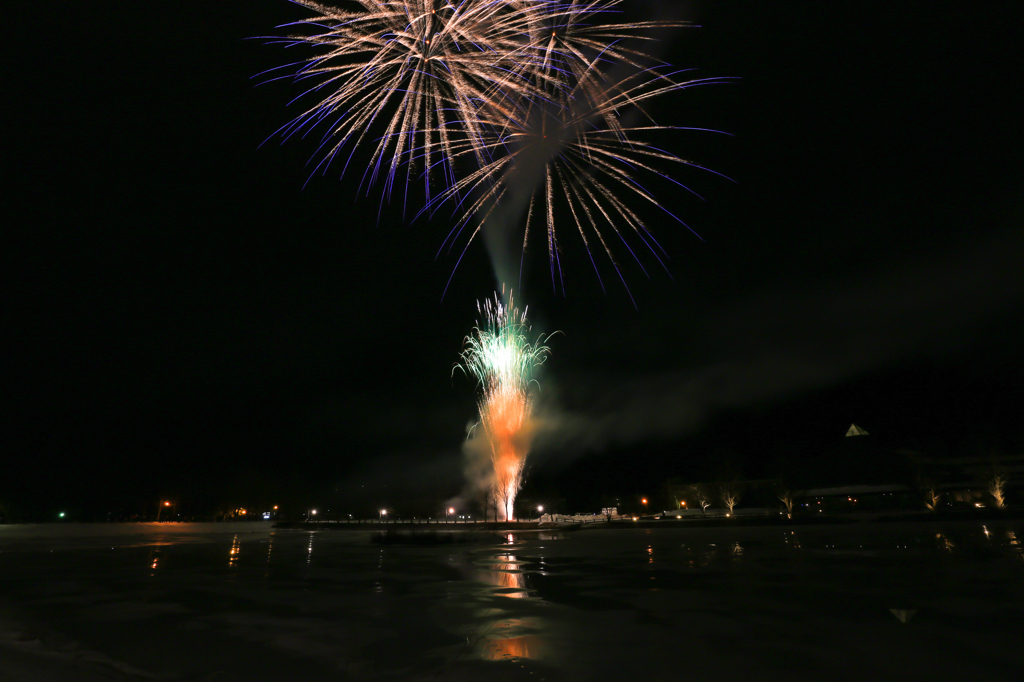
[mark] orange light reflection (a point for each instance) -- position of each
(527, 646)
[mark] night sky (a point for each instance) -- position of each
(184, 320)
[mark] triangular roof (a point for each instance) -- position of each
(855, 430)
(904, 614)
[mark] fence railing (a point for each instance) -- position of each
(395, 521)
(552, 518)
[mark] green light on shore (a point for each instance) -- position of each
(62, 515)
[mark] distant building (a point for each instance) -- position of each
(861, 472)
(955, 473)
(855, 430)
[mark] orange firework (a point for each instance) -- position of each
(498, 354)
(504, 415)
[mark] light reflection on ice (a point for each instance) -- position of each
(504, 572)
(512, 638)
(701, 557)
(508, 577)
(575, 590)
(1015, 546)
(514, 647)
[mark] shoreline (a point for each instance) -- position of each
(981, 515)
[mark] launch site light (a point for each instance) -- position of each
(644, 500)
(167, 504)
(314, 512)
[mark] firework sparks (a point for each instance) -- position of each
(501, 359)
(508, 101)
(419, 68)
(571, 149)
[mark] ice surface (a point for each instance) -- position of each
(246, 602)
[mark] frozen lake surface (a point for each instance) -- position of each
(245, 602)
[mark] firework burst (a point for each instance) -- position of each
(418, 68)
(516, 103)
(499, 356)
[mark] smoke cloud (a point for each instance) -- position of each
(503, 228)
(782, 345)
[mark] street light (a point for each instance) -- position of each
(447, 512)
(540, 510)
(383, 513)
